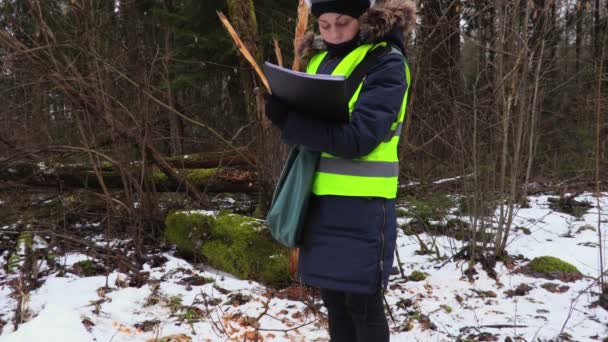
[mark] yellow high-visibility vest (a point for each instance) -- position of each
(375, 174)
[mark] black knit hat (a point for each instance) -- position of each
(353, 8)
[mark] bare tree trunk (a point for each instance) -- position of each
(436, 75)
(521, 91)
(175, 122)
(242, 17)
(596, 30)
(598, 130)
(484, 27)
(270, 151)
(503, 110)
(579, 36)
(533, 140)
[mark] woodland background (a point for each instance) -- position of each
(119, 117)
(130, 102)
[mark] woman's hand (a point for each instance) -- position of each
(275, 110)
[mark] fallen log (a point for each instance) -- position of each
(77, 176)
(213, 159)
(237, 244)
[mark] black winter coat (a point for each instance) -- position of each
(348, 243)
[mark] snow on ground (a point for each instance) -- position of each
(72, 308)
(542, 313)
(450, 179)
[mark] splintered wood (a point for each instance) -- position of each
(243, 49)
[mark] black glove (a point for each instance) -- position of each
(276, 110)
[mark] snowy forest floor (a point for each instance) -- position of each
(185, 301)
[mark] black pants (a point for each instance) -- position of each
(355, 317)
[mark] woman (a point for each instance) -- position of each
(349, 238)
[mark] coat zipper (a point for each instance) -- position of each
(382, 248)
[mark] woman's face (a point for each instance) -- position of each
(338, 28)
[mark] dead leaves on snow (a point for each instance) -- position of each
(172, 338)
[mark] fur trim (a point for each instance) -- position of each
(309, 3)
(375, 24)
(380, 20)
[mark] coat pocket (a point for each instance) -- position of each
(358, 217)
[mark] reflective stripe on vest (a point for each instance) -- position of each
(394, 132)
(375, 174)
(363, 168)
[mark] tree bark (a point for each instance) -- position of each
(175, 122)
(579, 36)
(213, 159)
(596, 30)
(213, 180)
(269, 150)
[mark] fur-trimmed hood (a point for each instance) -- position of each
(386, 18)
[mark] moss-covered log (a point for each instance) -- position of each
(214, 180)
(232, 243)
(224, 180)
(244, 159)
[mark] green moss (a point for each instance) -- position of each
(24, 247)
(236, 244)
(159, 177)
(448, 309)
(548, 265)
(259, 211)
(199, 177)
(88, 268)
(13, 262)
(242, 246)
(106, 166)
(174, 303)
(190, 315)
(187, 230)
(175, 300)
(26, 241)
(233, 227)
(51, 257)
(275, 269)
(416, 315)
(417, 276)
(222, 256)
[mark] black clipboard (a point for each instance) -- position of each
(320, 96)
